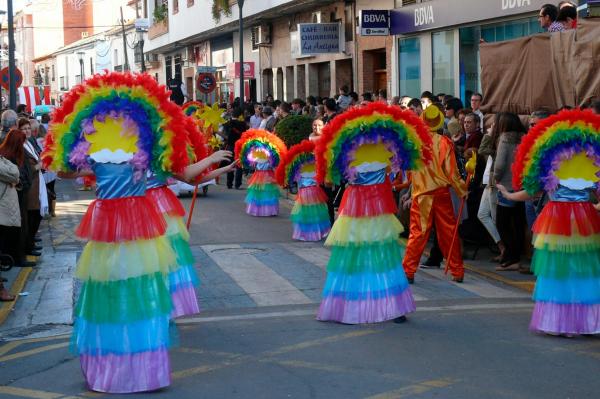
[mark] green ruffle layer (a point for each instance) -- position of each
(309, 214)
(374, 258)
(182, 250)
(566, 265)
(124, 301)
(263, 192)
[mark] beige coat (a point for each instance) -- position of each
(9, 201)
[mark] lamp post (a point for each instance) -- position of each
(140, 35)
(80, 55)
(12, 77)
(2, 12)
(241, 33)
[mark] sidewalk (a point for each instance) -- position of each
(45, 292)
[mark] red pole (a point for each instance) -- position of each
(189, 221)
(460, 211)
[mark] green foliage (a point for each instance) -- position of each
(294, 129)
(220, 8)
(160, 12)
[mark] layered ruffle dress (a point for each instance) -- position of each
(121, 330)
(183, 279)
(262, 197)
(567, 265)
(365, 278)
(310, 218)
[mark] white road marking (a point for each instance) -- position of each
(317, 255)
(262, 284)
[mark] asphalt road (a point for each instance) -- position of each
(257, 336)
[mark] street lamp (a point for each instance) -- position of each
(140, 35)
(241, 34)
(80, 55)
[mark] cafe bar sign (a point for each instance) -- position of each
(442, 13)
(326, 38)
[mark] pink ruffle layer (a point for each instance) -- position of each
(366, 311)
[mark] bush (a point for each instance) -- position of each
(293, 129)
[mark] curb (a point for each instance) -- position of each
(527, 286)
(16, 287)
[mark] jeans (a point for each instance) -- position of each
(487, 212)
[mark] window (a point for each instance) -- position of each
(169, 67)
(348, 25)
(410, 67)
(91, 66)
(254, 37)
(510, 30)
(62, 83)
(443, 62)
(175, 6)
(53, 74)
(178, 65)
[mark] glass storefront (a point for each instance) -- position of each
(470, 38)
(410, 67)
(442, 51)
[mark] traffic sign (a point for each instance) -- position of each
(4, 78)
(206, 83)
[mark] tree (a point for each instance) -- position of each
(220, 8)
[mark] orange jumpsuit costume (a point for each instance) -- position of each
(431, 202)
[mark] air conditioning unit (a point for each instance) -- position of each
(263, 34)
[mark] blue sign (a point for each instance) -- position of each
(320, 38)
(374, 22)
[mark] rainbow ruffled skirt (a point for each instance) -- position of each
(365, 278)
(122, 318)
(183, 279)
(567, 265)
(310, 218)
(262, 197)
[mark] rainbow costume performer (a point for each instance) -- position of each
(119, 126)
(310, 218)
(191, 107)
(561, 155)
(183, 278)
(365, 278)
(262, 151)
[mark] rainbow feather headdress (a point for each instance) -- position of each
(256, 145)
(119, 113)
(298, 157)
(191, 107)
(378, 129)
(562, 149)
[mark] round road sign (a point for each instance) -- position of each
(4, 78)
(206, 82)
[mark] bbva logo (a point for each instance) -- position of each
(424, 15)
(506, 4)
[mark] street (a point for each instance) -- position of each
(257, 337)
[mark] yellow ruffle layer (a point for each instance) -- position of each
(102, 261)
(364, 230)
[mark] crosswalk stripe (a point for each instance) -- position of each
(261, 283)
(312, 253)
(478, 285)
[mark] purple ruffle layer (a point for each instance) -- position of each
(185, 302)
(557, 318)
(300, 235)
(264, 210)
(366, 311)
(137, 372)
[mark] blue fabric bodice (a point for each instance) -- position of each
(117, 181)
(565, 194)
(154, 181)
(369, 178)
(263, 166)
(306, 182)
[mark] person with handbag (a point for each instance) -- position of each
(11, 154)
(510, 215)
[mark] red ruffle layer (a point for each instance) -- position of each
(568, 219)
(165, 201)
(368, 200)
(121, 219)
(262, 177)
(311, 195)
